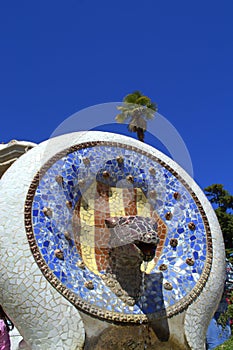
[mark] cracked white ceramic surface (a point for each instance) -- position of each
(199, 313)
(44, 318)
(42, 315)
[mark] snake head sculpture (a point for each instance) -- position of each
(133, 239)
(134, 233)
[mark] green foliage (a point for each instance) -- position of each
(138, 98)
(228, 252)
(228, 345)
(132, 98)
(222, 202)
(136, 110)
(228, 314)
(218, 195)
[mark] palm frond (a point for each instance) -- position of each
(136, 109)
(143, 101)
(153, 106)
(120, 118)
(138, 122)
(149, 113)
(132, 98)
(138, 93)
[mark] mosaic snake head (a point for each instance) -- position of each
(136, 235)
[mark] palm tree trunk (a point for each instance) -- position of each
(140, 134)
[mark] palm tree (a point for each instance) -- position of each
(137, 109)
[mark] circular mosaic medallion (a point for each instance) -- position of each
(118, 232)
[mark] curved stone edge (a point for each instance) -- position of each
(44, 318)
(199, 313)
(10, 205)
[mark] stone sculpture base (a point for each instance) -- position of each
(101, 335)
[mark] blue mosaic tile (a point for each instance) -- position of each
(49, 232)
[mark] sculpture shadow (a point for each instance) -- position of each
(151, 302)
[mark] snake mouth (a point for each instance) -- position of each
(147, 250)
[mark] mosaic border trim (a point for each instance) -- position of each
(70, 296)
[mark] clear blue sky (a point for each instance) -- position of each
(58, 57)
